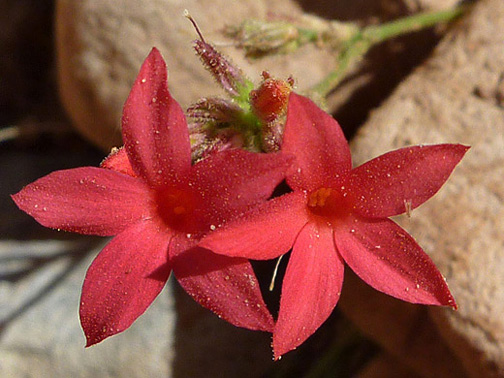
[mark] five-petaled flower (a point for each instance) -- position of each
(159, 206)
(337, 214)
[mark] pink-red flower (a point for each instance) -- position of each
(337, 214)
(159, 206)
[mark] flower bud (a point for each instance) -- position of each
(269, 101)
(227, 75)
(214, 126)
(259, 38)
(230, 77)
(204, 143)
(214, 109)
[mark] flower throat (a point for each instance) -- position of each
(328, 202)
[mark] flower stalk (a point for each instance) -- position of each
(362, 41)
(346, 39)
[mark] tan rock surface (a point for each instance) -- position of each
(455, 97)
(404, 330)
(39, 324)
(101, 45)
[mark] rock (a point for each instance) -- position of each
(101, 45)
(402, 329)
(41, 335)
(455, 97)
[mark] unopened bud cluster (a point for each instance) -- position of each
(251, 118)
(259, 38)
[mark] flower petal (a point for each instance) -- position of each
(318, 143)
(118, 161)
(155, 131)
(123, 280)
(234, 180)
(225, 285)
(402, 179)
(266, 232)
(310, 290)
(387, 258)
(86, 200)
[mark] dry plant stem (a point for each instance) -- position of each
(31, 130)
(272, 284)
(369, 36)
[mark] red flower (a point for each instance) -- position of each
(337, 214)
(159, 206)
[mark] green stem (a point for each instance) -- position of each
(307, 35)
(351, 53)
(409, 24)
(366, 38)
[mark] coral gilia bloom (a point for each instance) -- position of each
(337, 214)
(159, 206)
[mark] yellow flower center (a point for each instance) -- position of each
(329, 202)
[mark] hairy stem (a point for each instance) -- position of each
(369, 36)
